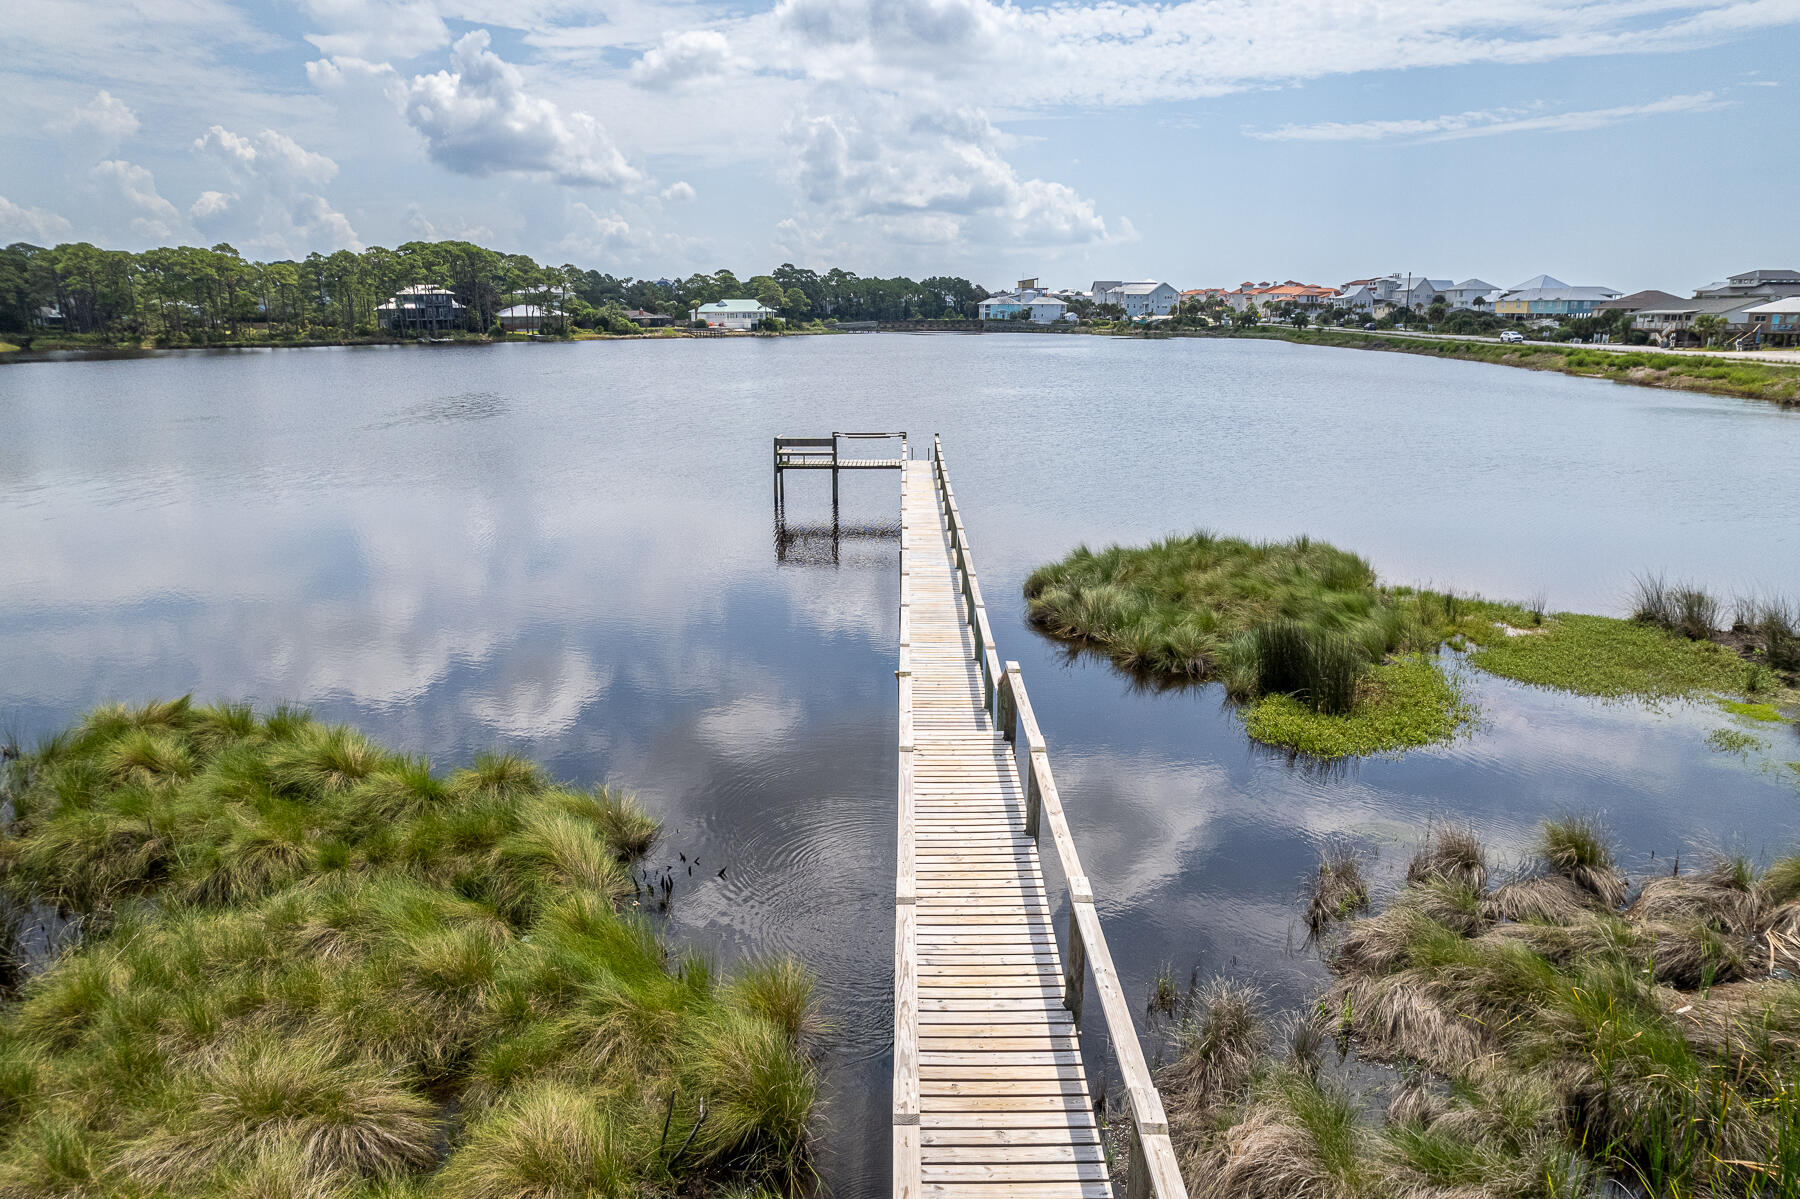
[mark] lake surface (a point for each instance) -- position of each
(569, 550)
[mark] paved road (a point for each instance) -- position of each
(1779, 357)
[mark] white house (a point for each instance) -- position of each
(1464, 294)
(524, 318)
(1039, 307)
(732, 314)
(1357, 295)
(1144, 298)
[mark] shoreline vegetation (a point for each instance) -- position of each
(1749, 379)
(308, 966)
(1321, 659)
(32, 346)
(1558, 1034)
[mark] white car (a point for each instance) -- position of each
(1512, 335)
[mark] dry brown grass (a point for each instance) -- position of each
(1403, 1018)
(1266, 1155)
(1451, 854)
(1217, 1051)
(1701, 897)
(1551, 898)
(1338, 892)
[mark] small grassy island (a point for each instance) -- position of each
(311, 967)
(1550, 1037)
(1324, 660)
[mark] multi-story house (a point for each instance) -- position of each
(1543, 296)
(1139, 299)
(1464, 294)
(422, 308)
(1767, 283)
(1776, 323)
(1037, 306)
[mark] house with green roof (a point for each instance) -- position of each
(732, 314)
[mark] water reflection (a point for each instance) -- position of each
(821, 544)
(565, 550)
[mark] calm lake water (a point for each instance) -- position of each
(569, 550)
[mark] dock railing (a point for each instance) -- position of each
(1152, 1170)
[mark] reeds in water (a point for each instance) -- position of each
(1553, 1041)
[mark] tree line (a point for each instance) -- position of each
(191, 294)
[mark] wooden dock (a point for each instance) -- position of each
(827, 453)
(990, 1095)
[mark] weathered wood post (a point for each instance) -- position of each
(1075, 964)
(1137, 1171)
(1009, 704)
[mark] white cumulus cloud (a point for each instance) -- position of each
(479, 119)
(37, 225)
(930, 176)
(278, 203)
(680, 191)
(105, 117)
(129, 190)
(210, 205)
(692, 56)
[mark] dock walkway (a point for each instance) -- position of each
(990, 1095)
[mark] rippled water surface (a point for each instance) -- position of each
(569, 550)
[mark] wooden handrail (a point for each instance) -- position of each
(906, 894)
(1153, 1172)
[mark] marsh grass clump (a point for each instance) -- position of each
(1576, 848)
(1561, 1043)
(1321, 659)
(1176, 607)
(1218, 1050)
(1683, 608)
(313, 968)
(1338, 890)
(1452, 855)
(1550, 1040)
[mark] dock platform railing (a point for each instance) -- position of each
(1152, 1170)
(827, 453)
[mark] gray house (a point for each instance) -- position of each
(422, 308)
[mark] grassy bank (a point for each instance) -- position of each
(1324, 660)
(1551, 1038)
(312, 967)
(1724, 375)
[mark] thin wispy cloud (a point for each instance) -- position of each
(1491, 122)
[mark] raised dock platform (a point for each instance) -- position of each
(990, 1095)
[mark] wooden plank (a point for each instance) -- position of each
(1024, 1172)
(908, 1172)
(1041, 1190)
(931, 1090)
(939, 1137)
(962, 1103)
(1034, 1153)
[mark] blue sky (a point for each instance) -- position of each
(1633, 143)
